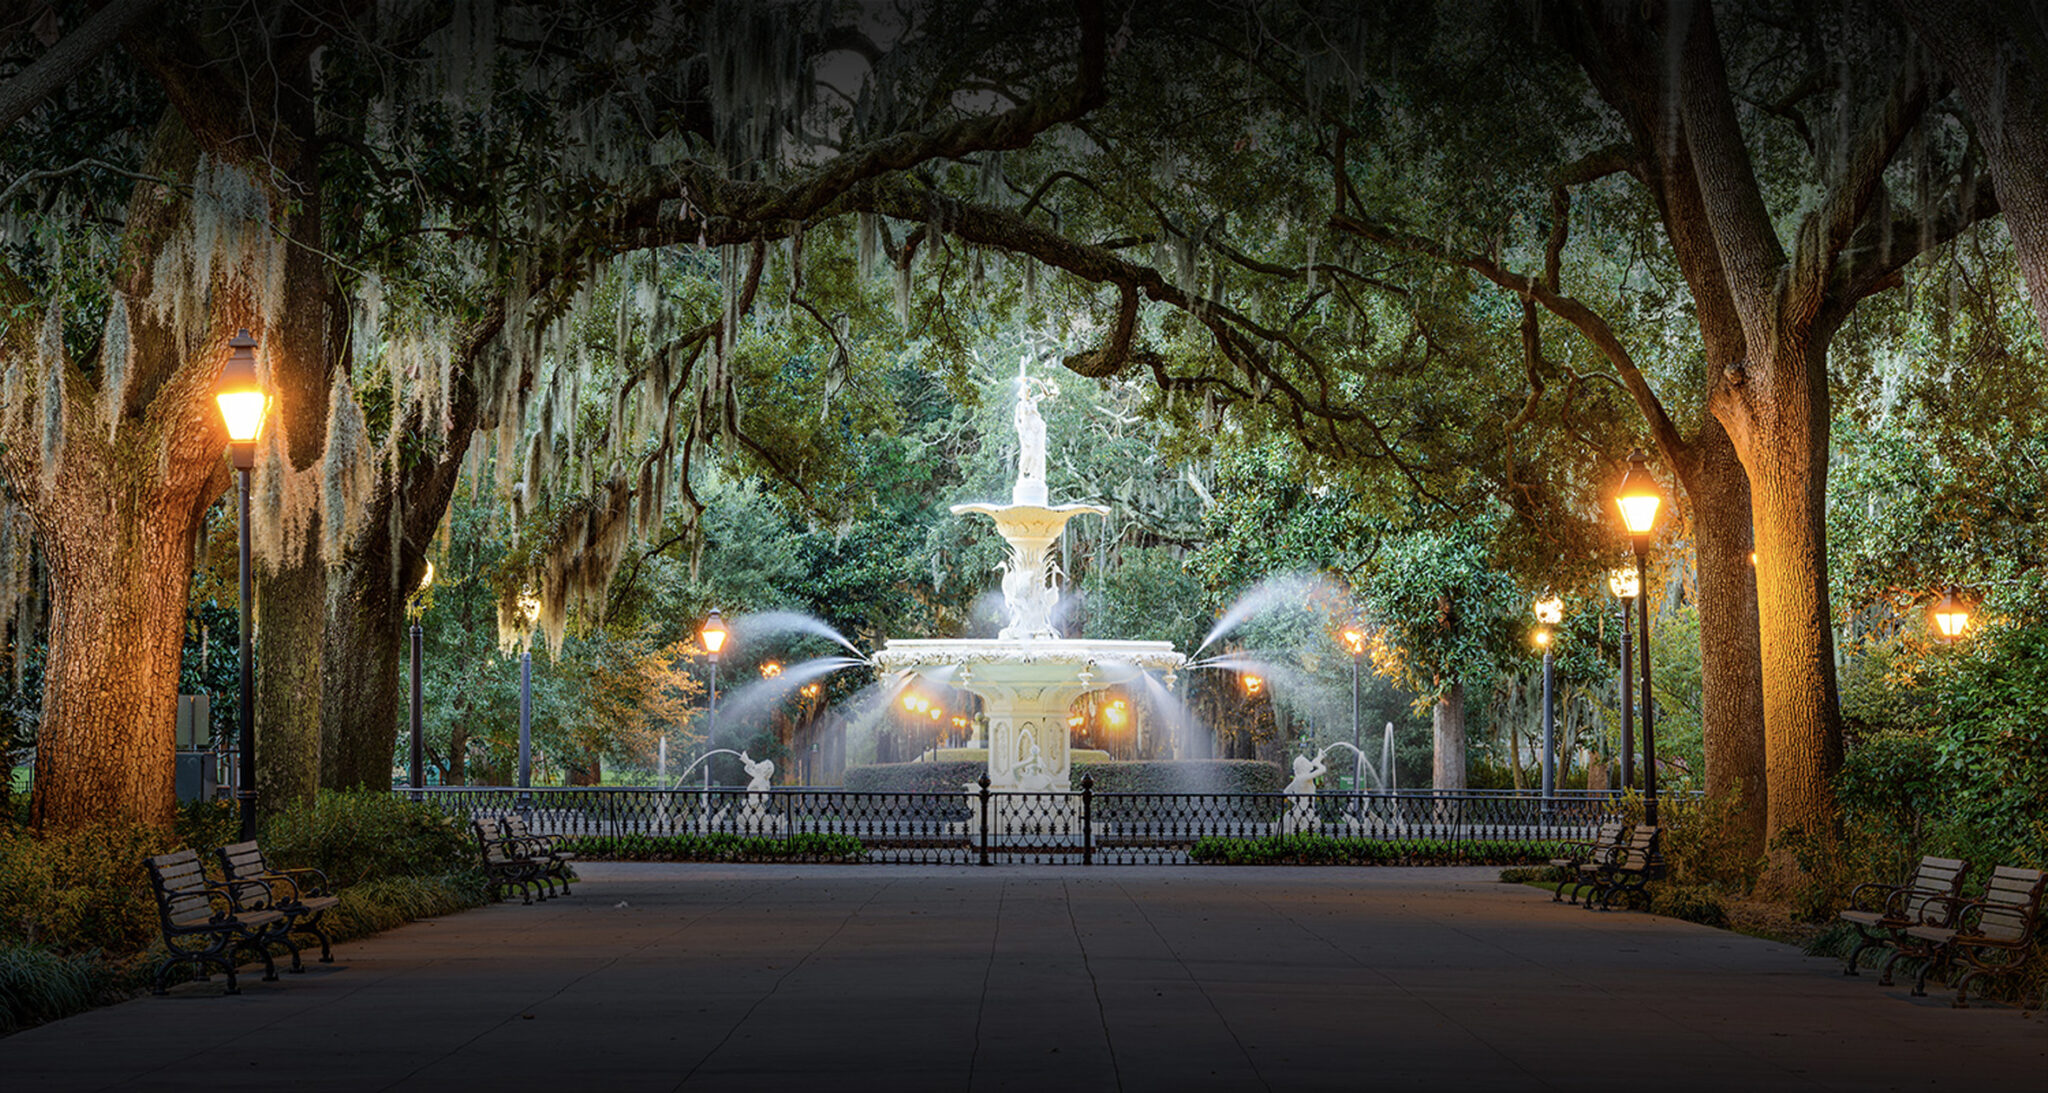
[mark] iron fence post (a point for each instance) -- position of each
(1087, 819)
(984, 818)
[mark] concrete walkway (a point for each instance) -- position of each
(909, 978)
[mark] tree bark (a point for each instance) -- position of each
(1447, 722)
(1731, 666)
(363, 696)
(105, 751)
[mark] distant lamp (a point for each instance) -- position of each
(713, 633)
(1253, 685)
(1542, 636)
(1354, 640)
(910, 702)
(1638, 496)
(770, 670)
(1624, 582)
(241, 399)
(1951, 615)
(529, 608)
(1549, 609)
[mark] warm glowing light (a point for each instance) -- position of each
(713, 633)
(1951, 615)
(1638, 497)
(770, 670)
(1116, 714)
(1624, 582)
(1074, 721)
(959, 722)
(812, 690)
(529, 607)
(910, 702)
(239, 395)
(1752, 557)
(1253, 685)
(427, 577)
(1549, 608)
(937, 713)
(1542, 636)
(1355, 641)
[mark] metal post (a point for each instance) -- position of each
(1649, 726)
(1549, 732)
(245, 780)
(984, 817)
(1628, 702)
(525, 728)
(417, 767)
(1087, 816)
(1357, 753)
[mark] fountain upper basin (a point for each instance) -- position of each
(1034, 661)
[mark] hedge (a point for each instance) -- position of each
(1308, 849)
(720, 846)
(1140, 776)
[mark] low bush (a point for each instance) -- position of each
(357, 837)
(1309, 849)
(1692, 902)
(79, 891)
(805, 846)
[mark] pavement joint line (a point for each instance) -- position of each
(780, 979)
(1199, 987)
(557, 993)
(988, 974)
(1094, 984)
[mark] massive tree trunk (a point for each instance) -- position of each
(363, 695)
(1731, 669)
(120, 556)
(1785, 449)
(1447, 724)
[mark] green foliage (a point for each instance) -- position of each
(79, 891)
(362, 836)
(811, 846)
(1312, 849)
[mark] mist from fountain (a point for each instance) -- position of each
(1282, 589)
(746, 628)
(756, 696)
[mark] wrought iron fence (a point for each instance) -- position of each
(800, 824)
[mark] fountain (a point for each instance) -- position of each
(1029, 675)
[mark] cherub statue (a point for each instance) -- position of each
(760, 773)
(1301, 792)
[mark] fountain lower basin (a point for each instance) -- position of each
(1026, 688)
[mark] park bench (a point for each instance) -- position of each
(1605, 845)
(1990, 935)
(507, 863)
(202, 923)
(1879, 912)
(1631, 871)
(553, 848)
(301, 895)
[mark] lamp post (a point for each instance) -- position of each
(713, 635)
(1354, 640)
(529, 610)
(239, 394)
(1549, 612)
(1950, 615)
(416, 766)
(1639, 498)
(1626, 585)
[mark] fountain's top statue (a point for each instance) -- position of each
(1030, 487)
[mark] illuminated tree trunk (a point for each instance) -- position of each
(1447, 722)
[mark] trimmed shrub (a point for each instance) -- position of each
(912, 777)
(1307, 849)
(719, 846)
(80, 890)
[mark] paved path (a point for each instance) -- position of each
(909, 978)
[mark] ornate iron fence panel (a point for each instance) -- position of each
(993, 826)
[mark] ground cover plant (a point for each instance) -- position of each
(79, 927)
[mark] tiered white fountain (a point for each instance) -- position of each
(1029, 676)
